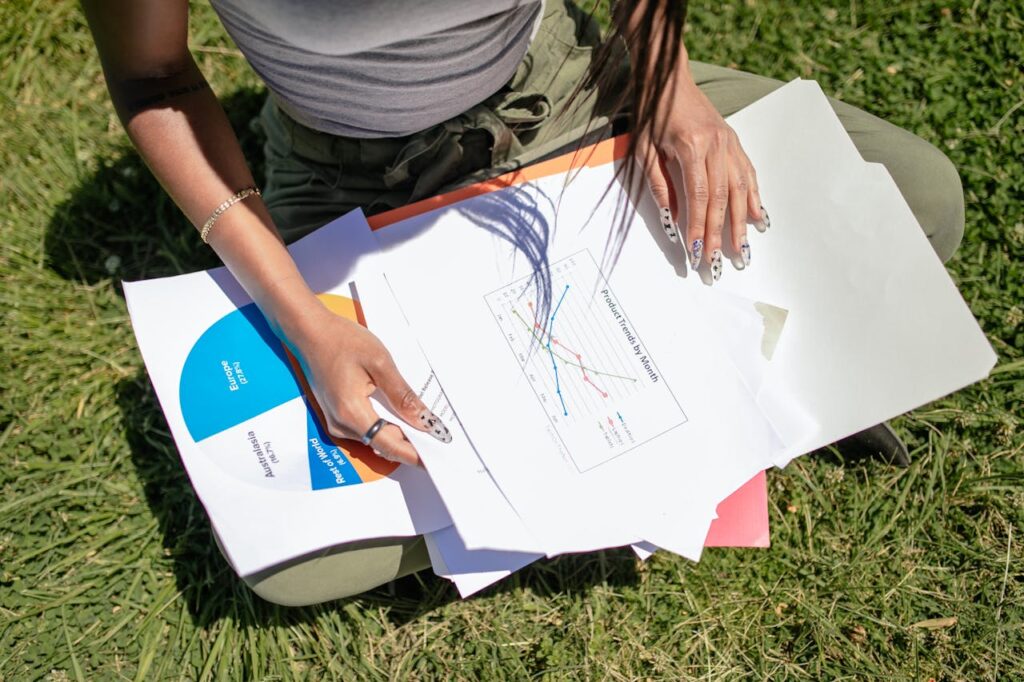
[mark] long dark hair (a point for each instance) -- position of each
(649, 33)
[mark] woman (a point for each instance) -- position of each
(377, 104)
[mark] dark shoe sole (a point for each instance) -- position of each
(877, 441)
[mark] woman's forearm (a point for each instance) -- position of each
(181, 131)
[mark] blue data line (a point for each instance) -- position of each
(554, 366)
(557, 306)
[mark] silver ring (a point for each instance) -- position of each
(373, 431)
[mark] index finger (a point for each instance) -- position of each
(695, 187)
(404, 400)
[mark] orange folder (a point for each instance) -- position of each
(743, 516)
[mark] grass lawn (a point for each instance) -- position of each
(107, 566)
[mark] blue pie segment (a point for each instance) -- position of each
(236, 373)
(237, 370)
(329, 467)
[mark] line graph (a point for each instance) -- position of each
(597, 384)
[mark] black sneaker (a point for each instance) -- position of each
(878, 441)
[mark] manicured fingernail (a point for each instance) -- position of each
(745, 253)
(671, 229)
(716, 265)
(435, 426)
(766, 222)
(696, 251)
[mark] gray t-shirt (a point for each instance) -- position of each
(380, 68)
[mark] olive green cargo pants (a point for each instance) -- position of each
(313, 177)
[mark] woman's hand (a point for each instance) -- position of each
(345, 364)
(697, 144)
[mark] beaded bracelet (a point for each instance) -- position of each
(228, 203)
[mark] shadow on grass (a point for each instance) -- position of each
(120, 224)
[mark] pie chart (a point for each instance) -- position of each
(247, 405)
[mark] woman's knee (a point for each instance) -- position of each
(340, 572)
(942, 213)
(305, 587)
(294, 594)
(926, 177)
(931, 186)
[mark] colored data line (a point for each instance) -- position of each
(540, 340)
(554, 365)
(551, 327)
(586, 377)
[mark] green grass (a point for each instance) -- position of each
(107, 567)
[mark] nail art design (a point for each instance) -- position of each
(435, 426)
(696, 251)
(671, 229)
(745, 253)
(765, 220)
(716, 265)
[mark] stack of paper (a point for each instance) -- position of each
(591, 406)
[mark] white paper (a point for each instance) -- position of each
(471, 570)
(479, 510)
(243, 427)
(876, 325)
(568, 497)
(644, 550)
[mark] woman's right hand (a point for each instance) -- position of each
(345, 364)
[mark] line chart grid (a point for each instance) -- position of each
(598, 386)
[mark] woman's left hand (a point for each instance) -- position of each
(695, 140)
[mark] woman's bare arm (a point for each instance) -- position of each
(181, 132)
(179, 128)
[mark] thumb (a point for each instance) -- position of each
(404, 401)
(661, 189)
